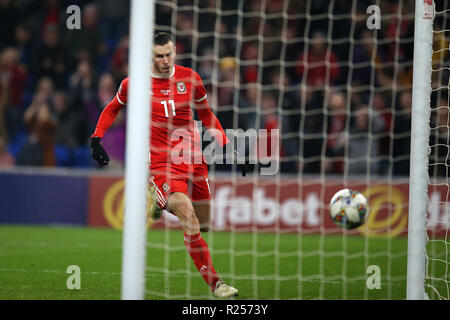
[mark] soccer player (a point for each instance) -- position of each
(180, 187)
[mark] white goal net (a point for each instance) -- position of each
(438, 222)
(335, 78)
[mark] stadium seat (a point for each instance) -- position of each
(82, 157)
(63, 156)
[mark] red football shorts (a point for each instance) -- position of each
(195, 185)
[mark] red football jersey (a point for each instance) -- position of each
(175, 142)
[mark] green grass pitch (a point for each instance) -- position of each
(34, 260)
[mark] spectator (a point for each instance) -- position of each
(227, 45)
(342, 48)
(206, 21)
(184, 40)
(269, 123)
(9, 16)
(363, 144)
(23, 42)
(439, 140)
(114, 18)
(401, 26)
(440, 58)
(50, 58)
(337, 137)
(381, 108)
(71, 131)
(51, 13)
(226, 92)
(106, 90)
(271, 49)
(86, 42)
(318, 65)
(13, 78)
(119, 60)
(15, 72)
(164, 13)
(4, 97)
(114, 139)
(310, 127)
(367, 62)
(289, 119)
(206, 64)
(82, 87)
(248, 106)
(250, 56)
(41, 124)
(292, 32)
(402, 134)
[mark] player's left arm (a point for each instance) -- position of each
(209, 120)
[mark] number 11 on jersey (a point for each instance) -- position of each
(166, 110)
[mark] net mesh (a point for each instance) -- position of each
(338, 89)
(437, 273)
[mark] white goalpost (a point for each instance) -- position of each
(137, 149)
(428, 260)
(420, 130)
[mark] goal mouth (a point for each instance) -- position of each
(343, 90)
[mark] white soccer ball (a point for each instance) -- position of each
(349, 208)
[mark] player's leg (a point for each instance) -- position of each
(180, 205)
(201, 198)
(203, 212)
(172, 196)
(159, 190)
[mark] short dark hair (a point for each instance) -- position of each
(162, 38)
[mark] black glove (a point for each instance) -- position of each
(98, 153)
(244, 166)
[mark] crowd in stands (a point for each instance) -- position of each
(55, 81)
(339, 92)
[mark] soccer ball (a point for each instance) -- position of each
(349, 208)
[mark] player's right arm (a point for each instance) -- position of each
(105, 121)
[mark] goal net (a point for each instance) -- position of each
(335, 79)
(438, 223)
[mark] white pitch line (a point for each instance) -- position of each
(61, 244)
(60, 271)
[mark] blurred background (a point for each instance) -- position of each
(266, 64)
